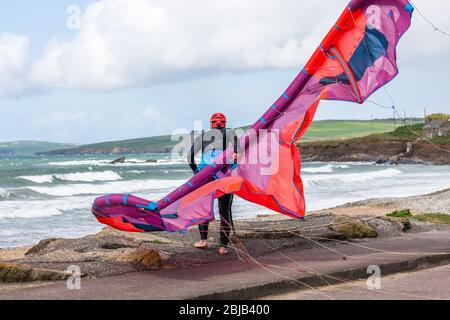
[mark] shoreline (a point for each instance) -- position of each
(320, 196)
(436, 202)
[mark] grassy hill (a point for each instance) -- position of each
(30, 147)
(319, 130)
(406, 133)
(404, 145)
(331, 130)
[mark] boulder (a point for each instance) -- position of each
(148, 258)
(352, 228)
(16, 273)
(40, 246)
(117, 161)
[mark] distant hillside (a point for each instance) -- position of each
(335, 129)
(30, 147)
(160, 144)
(404, 145)
(320, 130)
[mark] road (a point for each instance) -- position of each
(273, 273)
(429, 284)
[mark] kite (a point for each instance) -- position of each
(356, 58)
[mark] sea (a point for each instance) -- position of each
(51, 196)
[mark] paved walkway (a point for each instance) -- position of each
(272, 274)
(429, 284)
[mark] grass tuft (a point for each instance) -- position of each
(439, 218)
(406, 213)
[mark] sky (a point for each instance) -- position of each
(82, 71)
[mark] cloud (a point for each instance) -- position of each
(14, 59)
(127, 44)
(123, 44)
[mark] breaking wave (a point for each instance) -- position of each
(73, 177)
(4, 194)
(353, 177)
(110, 187)
(41, 208)
(127, 163)
(329, 168)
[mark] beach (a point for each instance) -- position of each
(52, 195)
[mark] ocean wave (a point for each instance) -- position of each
(89, 176)
(329, 168)
(353, 177)
(38, 179)
(41, 208)
(110, 187)
(4, 194)
(73, 177)
(136, 171)
(127, 163)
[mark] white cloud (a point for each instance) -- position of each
(14, 59)
(125, 44)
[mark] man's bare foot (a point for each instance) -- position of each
(202, 244)
(223, 251)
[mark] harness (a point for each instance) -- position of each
(208, 157)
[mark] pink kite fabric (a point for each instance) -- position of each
(357, 57)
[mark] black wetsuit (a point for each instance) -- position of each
(210, 143)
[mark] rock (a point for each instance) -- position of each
(396, 158)
(384, 226)
(14, 273)
(38, 274)
(151, 161)
(287, 234)
(115, 245)
(406, 224)
(382, 160)
(148, 258)
(12, 254)
(117, 161)
(352, 228)
(40, 246)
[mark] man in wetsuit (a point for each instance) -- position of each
(211, 144)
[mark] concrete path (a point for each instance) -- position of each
(272, 274)
(429, 284)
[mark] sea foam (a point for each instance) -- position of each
(74, 177)
(41, 208)
(109, 187)
(108, 163)
(352, 177)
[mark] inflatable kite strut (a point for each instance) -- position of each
(357, 57)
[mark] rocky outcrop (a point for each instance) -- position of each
(112, 252)
(14, 273)
(149, 258)
(40, 246)
(375, 150)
